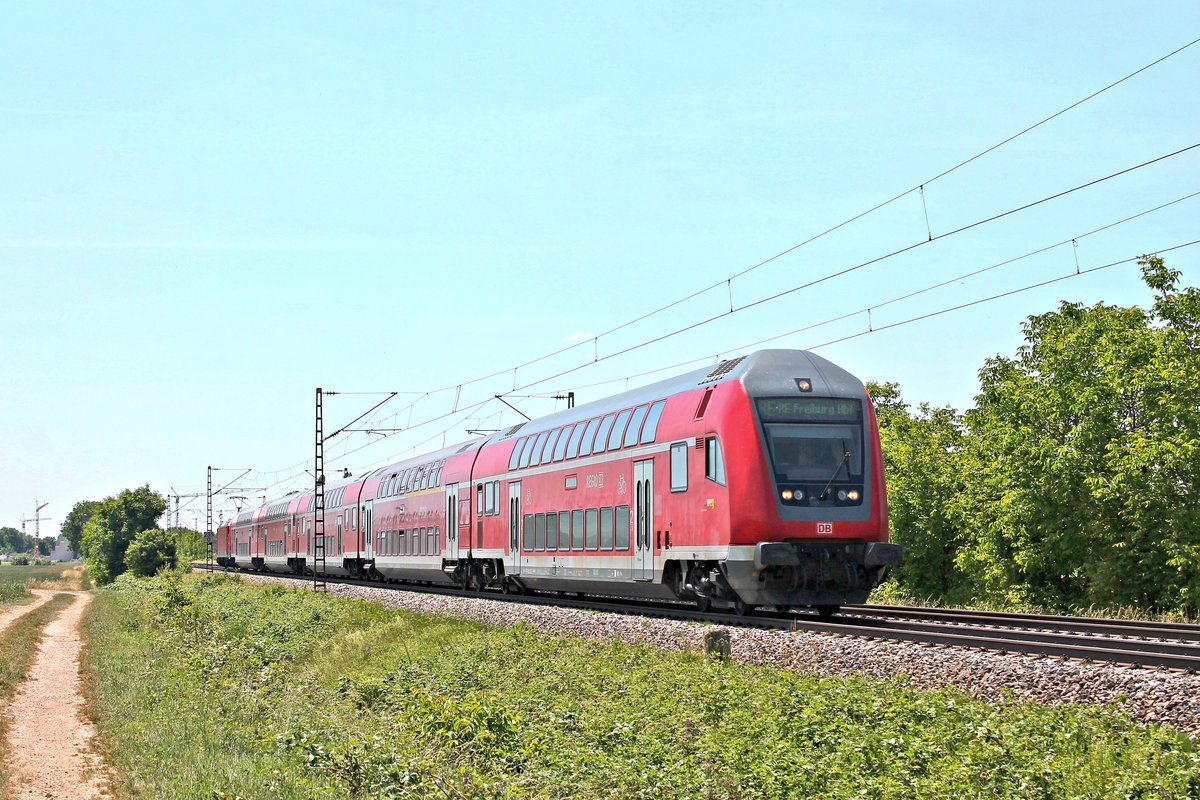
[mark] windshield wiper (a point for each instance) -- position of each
(845, 457)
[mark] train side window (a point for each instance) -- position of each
(552, 531)
(576, 438)
(538, 446)
(679, 475)
(479, 500)
(527, 451)
(428, 477)
(635, 426)
(527, 541)
(622, 525)
(548, 451)
(437, 478)
(539, 532)
(561, 448)
(515, 458)
(589, 434)
(618, 431)
(650, 429)
(435, 541)
(492, 491)
(714, 464)
(577, 529)
(606, 528)
(593, 528)
(602, 434)
(564, 530)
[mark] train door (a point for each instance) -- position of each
(513, 567)
(367, 530)
(451, 551)
(643, 520)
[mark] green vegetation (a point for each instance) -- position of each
(206, 687)
(13, 541)
(150, 551)
(17, 645)
(112, 525)
(1074, 482)
(51, 576)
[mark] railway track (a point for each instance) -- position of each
(1127, 642)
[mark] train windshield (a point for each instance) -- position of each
(806, 452)
(813, 438)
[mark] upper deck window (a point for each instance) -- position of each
(618, 431)
(515, 458)
(602, 434)
(576, 437)
(650, 429)
(538, 446)
(585, 446)
(635, 426)
(527, 451)
(560, 449)
(548, 452)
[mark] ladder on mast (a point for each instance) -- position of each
(318, 543)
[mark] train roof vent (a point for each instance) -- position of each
(723, 369)
(513, 429)
(465, 448)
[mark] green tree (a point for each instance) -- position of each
(923, 461)
(113, 525)
(72, 526)
(1085, 451)
(150, 551)
(189, 544)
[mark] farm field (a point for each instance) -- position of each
(63, 575)
(204, 686)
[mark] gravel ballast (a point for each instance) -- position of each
(1169, 698)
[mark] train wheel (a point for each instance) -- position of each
(703, 603)
(742, 608)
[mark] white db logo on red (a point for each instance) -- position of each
(824, 528)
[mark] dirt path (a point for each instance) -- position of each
(48, 737)
(13, 613)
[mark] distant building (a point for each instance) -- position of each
(62, 550)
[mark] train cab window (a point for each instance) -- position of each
(679, 473)
(548, 452)
(602, 434)
(635, 426)
(714, 463)
(618, 431)
(527, 451)
(539, 532)
(577, 529)
(564, 530)
(552, 531)
(592, 528)
(650, 429)
(576, 437)
(515, 458)
(527, 539)
(560, 449)
(621, 523)
(606, 528)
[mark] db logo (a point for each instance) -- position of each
(824, 528)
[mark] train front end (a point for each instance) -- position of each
(809, 521)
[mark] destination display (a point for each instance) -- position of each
(809, 409)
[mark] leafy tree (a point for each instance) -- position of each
(1085, 453)
(150, 551)
(189, 544)
(72, 526)
(923, 460)
(113, 525)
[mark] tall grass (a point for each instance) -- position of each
(211, 688)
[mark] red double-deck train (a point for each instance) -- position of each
(755, 482)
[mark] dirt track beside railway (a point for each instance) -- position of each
(49, 739)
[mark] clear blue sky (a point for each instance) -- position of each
(207, 211)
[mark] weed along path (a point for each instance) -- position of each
(12, 614)
(49, 740)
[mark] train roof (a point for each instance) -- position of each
(762, 372)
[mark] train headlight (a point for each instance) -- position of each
(799, 494)
(842, 495)
(786, 494)
(853, 494)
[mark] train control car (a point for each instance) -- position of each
(755, 482)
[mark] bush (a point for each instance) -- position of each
(150, 551)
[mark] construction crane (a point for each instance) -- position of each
(36, 519)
